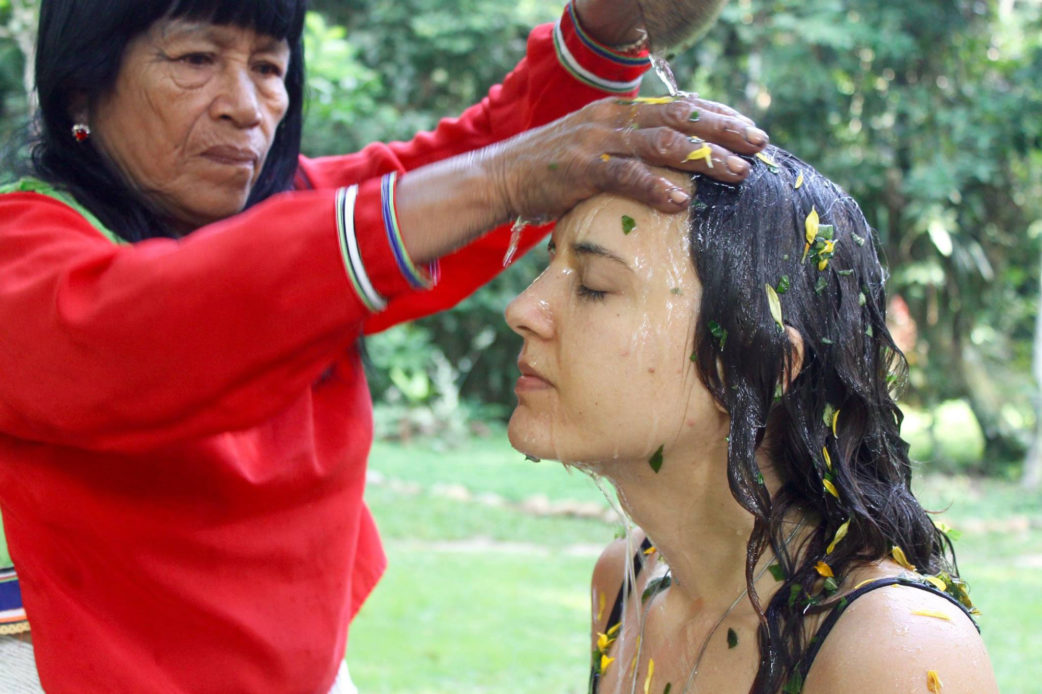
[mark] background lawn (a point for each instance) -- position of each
(490, 557)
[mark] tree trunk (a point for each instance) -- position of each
(1033, 462)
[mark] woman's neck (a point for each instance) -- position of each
(694, 522)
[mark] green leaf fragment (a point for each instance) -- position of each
(830, 585)
(777, 571)
(794, 593)
(783, 284)
(656, 459)
(826, 231)
(732, 638)
(774, 303)
(861, 300)
(794, 684)
(826, 341)
(669, 685)
(820, 285)
(675, 291)
(553, 166)
(828, 414)
(655, 586)
(845, 273)
(628, 224)
(717, 331)
(857, 239)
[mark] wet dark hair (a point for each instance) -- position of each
(80, 48)
(743, 240)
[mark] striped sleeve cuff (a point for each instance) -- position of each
(593, 63)
(374, 254)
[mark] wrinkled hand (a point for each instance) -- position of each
(609, 145)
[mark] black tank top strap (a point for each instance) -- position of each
(615, 616)
(803, 668)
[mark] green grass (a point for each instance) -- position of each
(484, 596)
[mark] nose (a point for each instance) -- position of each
(237, 99)
(529, 314)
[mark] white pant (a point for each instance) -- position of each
(18, 671)
(343, 683)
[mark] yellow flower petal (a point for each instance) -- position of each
(654, 99)
(935, 582)
(605, 662)
(831, 488)
(828, 458)
(614, 630)
(766, 160)
(600, 606)
(651, 673)
(605, 157)
(932, 613)
(933, 682)
(835, 418)
(799, 181)
(822, 264)
(824, 569)
(703, 152)
(841, 532)
(811, 225)
(649, 551)
(899, 556)
(774, 303)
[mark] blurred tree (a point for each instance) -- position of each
(17, 48)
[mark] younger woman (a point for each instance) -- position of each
(733, 376)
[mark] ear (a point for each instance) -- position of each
(796, 365)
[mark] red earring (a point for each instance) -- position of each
(81, 131)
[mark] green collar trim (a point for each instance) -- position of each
(35, 185)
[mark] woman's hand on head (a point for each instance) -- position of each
(609, 147)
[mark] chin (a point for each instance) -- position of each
(530, 437)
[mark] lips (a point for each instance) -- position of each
(231, 155)
(531, 378)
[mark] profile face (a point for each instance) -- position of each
(608, 328)
(192, 115)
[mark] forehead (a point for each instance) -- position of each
(639, 234)
(223, 35)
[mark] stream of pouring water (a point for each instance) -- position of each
(665, 73)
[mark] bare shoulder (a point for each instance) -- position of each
(902, 639)
(607, 578)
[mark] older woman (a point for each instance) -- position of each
(731, 373)
(184, 421)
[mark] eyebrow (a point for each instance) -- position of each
(586, 248)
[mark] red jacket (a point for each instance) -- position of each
(184, 424)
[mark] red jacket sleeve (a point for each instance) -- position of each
(562, 71)
(111, 346)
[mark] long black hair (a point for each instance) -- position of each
(789, 247)
(80, 49)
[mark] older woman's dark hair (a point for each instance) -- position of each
(80, 49)
(751, 244)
